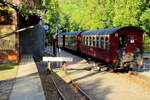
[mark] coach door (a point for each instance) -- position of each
(78, 42)
(122, 41)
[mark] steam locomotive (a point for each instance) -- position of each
(120, 47)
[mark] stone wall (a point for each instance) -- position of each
(8, 45)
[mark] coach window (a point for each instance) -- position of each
(68, 38)
(89, 41)
(97, 42)
(93, 41)
(86, 41)
(82, 40)
(73, 40)
(104, 45)
(102, 42)
(107, 43)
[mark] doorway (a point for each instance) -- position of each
(122, 41)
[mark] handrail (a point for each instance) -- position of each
(17, 31)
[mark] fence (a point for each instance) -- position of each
(146, 47)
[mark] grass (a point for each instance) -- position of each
(7, 71)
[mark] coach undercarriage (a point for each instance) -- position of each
(126, 61)
(129, 60)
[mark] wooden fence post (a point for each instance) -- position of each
(63, 65)
(57, 59)
(49, 67)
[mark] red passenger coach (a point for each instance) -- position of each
(105, 44)
(61, 40)
(120, 46)
(73, 40)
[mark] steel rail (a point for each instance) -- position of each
(81, 90)
(60, 93)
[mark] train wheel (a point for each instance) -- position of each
(127, 69)
(111, 68)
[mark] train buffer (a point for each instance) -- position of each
(146, 56)
(57, 59)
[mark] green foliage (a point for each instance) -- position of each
(72, 15)
(146, 39)
(145, 20)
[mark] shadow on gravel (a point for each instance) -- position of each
(86, 76)
(6, 87)
(96, 91)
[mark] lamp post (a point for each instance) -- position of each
(54, 45)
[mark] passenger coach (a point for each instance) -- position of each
(121, 46)
(70, 40)
(107, 44)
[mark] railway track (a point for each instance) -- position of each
(62, 97)
(83, 95)
(82, 92)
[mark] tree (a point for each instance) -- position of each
(75, 15)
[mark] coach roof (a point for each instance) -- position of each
(70, 33)
(107, 30)
(73, 33)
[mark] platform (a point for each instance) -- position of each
(28, 84)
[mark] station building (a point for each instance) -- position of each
(14, 43)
